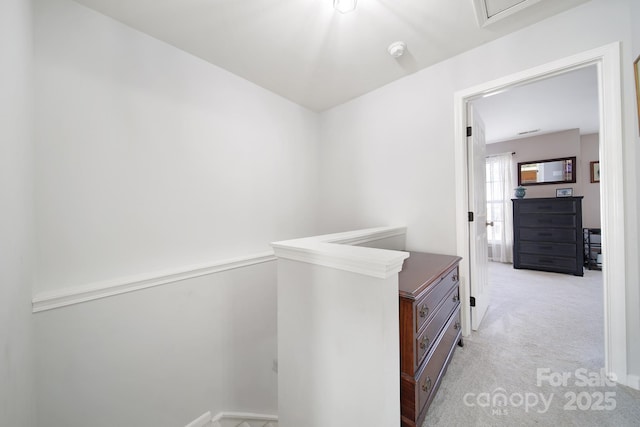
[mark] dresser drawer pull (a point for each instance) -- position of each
(454, 277)
(424, 342)
(456, 326)
(424, 310)
(426, 386)
(456, 298)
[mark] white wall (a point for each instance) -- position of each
(632, 160)
(540, 147)
(162, 356)
(633, 294)
(589, 150)
(338, 335)
(567, 143)
(16, 227)
(150, 159)
(391, 152)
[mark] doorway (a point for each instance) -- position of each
(607, 61)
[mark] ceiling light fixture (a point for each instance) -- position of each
(344, 6)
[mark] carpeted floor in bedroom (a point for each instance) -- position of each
(536, 359)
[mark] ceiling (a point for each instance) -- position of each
(565, 101)
(317, 57)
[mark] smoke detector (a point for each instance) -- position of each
(396, 49)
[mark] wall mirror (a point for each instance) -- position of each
(551, 171)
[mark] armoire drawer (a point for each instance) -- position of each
(546, 248)
(547, 235)
(548, 221)
(542, 206)
(545, 262)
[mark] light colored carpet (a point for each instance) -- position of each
(536, 320)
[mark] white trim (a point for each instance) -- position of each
(482, 14)
(64, 297)
(201, 421)
(612, 212)
(336, 251)
(372, 235)
(633, 381)
(607, 58)
(243, 416)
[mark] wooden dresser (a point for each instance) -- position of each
(547, 234)
(429, 329)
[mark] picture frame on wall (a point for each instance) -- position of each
(564, 192)
(636, 73)
(594, 171)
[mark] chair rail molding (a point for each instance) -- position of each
(296, 249)
(73, 295)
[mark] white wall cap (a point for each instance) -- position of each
(338, 251)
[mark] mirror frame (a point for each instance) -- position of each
(564, 181)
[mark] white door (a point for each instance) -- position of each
(478, 247)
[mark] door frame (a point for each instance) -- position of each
(607, 60)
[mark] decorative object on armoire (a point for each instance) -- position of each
(547, 234)
(564, 192)
(430, 328)
(520, 192)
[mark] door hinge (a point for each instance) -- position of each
(470, 216)
(472, 301)
(469, 131)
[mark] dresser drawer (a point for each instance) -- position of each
(548, 206)
(424, 385)
(424, 342)
(558, 221)
(549, 249)
(547, 235)
(548, 262)
(426, 305)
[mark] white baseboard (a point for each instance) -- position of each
(633, 381)
(244, 419)
(203, 420)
